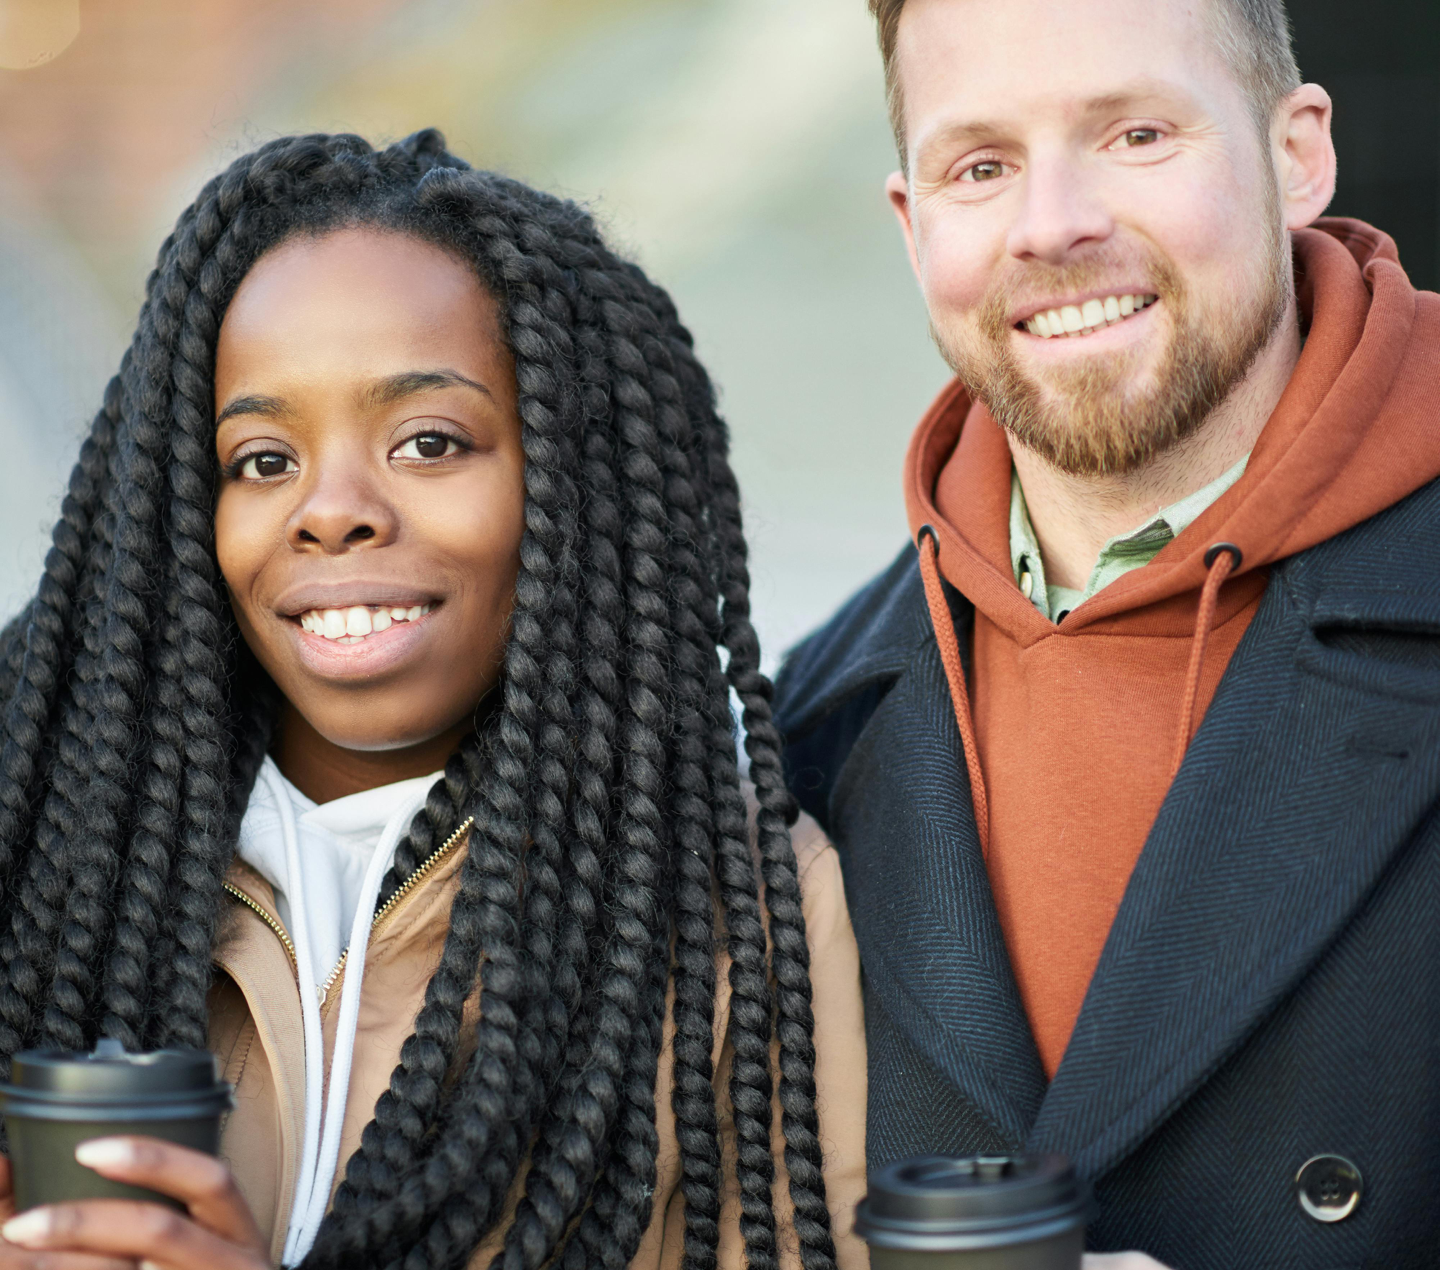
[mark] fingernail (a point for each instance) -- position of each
(105, 1153)
(28, 1228)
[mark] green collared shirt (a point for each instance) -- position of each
(1117, 557)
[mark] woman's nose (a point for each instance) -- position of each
(339, 513)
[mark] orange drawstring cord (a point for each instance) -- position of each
(1221, 560)
(944, 626)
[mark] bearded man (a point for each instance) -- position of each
(1133, 756)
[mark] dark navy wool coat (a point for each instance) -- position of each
(1270, 990)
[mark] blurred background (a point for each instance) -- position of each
(736, 148)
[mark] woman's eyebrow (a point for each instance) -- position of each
(381, 393)
(393, 387)
(270, 407)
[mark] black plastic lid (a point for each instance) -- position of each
(940, 1203)
(110, 1072)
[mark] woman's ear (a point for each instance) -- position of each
(1305, 154)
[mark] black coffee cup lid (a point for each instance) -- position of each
(109, 1070)
(944, 1203)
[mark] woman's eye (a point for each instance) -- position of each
(1140, 137)
(989, 170)
(260, 466)
(428, 445)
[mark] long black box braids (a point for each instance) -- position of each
(604, 784)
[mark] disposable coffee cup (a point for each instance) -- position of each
(56, 1100)
(988, 1212)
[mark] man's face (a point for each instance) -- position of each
(1094, 217)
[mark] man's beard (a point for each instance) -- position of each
(1081, 419)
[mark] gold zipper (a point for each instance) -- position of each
(409, 883)
(389, 906)
(267, 919)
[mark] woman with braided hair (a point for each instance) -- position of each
(371, 727)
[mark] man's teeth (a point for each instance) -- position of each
(1084, 319)
(354, 624)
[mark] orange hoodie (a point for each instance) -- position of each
(1075, 726)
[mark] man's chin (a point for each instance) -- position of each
(1110, 388)
(1090, 425)
(1115, 399)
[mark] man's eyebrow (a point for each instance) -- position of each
(407, 383)
(975, 132)
(269, 407)
(1136, 90)
(968, 134)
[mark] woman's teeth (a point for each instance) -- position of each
(1084, 319)
(350, 626)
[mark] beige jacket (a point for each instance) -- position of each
(256, 1034)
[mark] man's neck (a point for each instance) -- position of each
(1075, 516)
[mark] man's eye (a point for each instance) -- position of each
(260, 466)
(428, 445)
(986, 171)
(1141, 137)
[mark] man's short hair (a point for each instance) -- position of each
(1253, 35)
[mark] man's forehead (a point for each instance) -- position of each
(1035, 19)
(1039, 43)
(985, 63)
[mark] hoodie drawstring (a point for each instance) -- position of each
(944, 626)
(1221, 560)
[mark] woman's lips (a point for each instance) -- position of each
(359, 656)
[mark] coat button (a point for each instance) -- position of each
(1328, 1187)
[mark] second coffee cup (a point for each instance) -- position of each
(979, 1213)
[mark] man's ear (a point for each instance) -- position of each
(1305, 154)
(897, 189)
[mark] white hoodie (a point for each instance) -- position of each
(326, 862)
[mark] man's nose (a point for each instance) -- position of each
(341, 511)
(1061, 211)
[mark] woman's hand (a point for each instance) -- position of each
(115, 1234)
(14, 1256)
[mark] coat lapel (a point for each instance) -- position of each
(1314, 767)
(929, 936)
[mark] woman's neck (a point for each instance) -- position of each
(324, 771)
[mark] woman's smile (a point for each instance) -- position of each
(359, 627)
(362, 641)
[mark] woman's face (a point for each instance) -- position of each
(372, 497)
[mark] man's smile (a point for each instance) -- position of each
(1086, 317)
